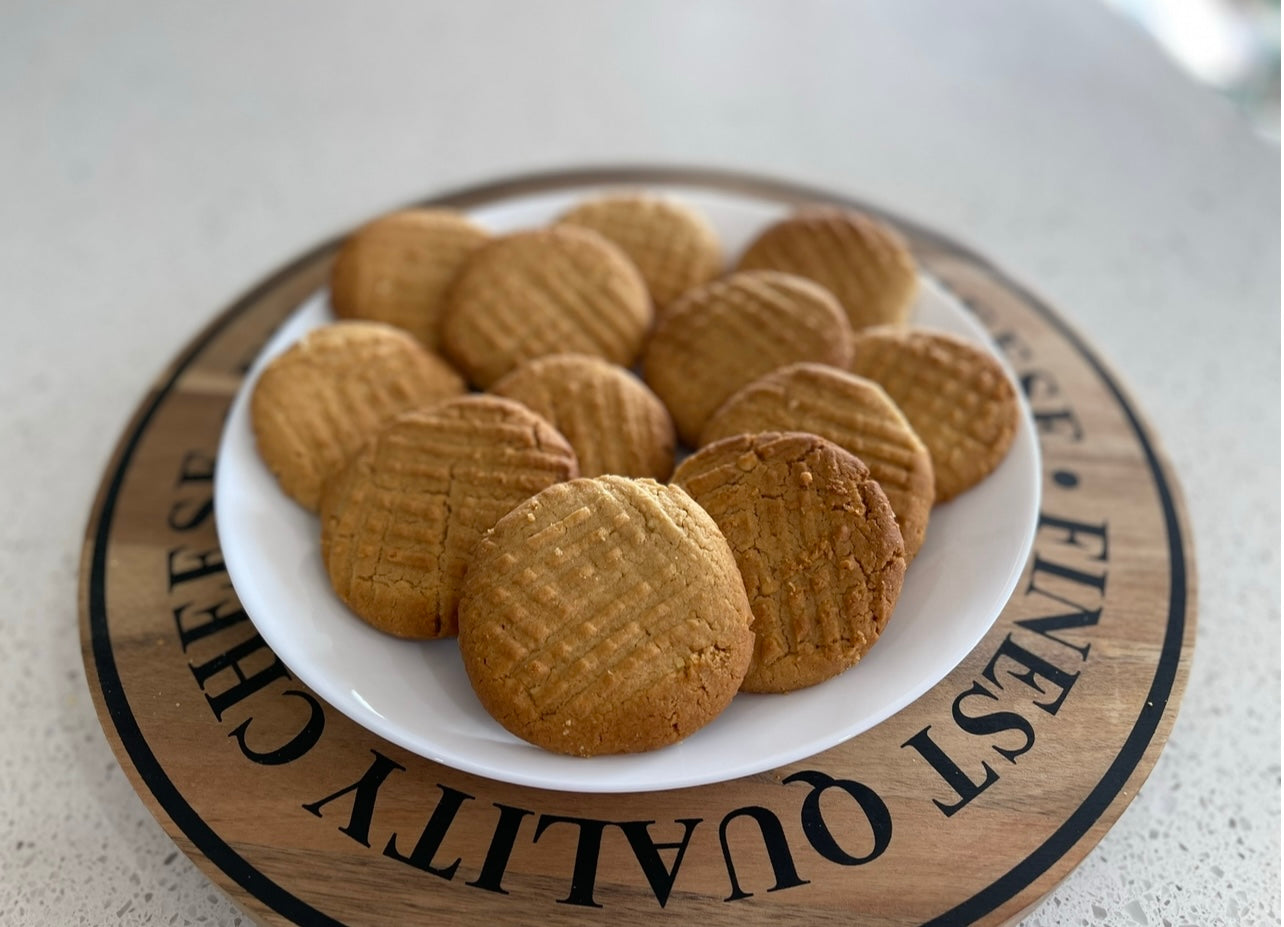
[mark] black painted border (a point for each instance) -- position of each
(282, 901)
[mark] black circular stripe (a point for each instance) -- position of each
(279, 899)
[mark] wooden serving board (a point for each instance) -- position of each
(966, 807)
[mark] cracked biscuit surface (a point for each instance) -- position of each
(315, 404)
(399, 522)
(605, 616)
(816, 543)
(955, 395)
(854, 413)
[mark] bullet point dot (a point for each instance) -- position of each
(1066, 479)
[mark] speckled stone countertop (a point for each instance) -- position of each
(157, 159)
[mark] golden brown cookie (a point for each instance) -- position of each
(854, 413)
(315, 403)
(615, 423)
(605, 616)
(540, 292)
(817, 545)
(727, 333)
(955, 395)
(398, 268)
(673, 245)
(862, 261)
(399, 522)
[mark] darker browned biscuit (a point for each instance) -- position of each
(955, 394)
(549, 291)
(314, 404)
(854, 413)
(399, 522)
(862, 261)
(398, 268)
(727, 333)
(615, 423)
(604, 616)
(672, 244)
(817, 545)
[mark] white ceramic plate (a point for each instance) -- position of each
(417, 694)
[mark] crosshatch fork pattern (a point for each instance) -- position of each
(673, 245)
(862, 261)
(956, 396)
(539, 292)
(603, 601)
(399, 523)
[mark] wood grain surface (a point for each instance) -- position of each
(966, 807)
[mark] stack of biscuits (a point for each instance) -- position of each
(629, 482)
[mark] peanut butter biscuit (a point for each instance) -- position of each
(673, 245)
(314, 404)
(854, 413)
(548, 291)
(615, 423)
(955, 395)
(862, 261)
(816, 542)
(727, 333)
(398, 268)
(605, 616)
(399, 522)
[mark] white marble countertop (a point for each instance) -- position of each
(158, 159)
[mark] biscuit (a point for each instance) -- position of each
(399, 522)
(727, 333)
(955, 395)
(673, 245)
(314, 404)
(862, 261)
(398, 268)
(548, 291)
(854, 413)
(816, 542)
(605, 616)
(615, 423)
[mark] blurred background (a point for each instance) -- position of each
(1232, 46)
